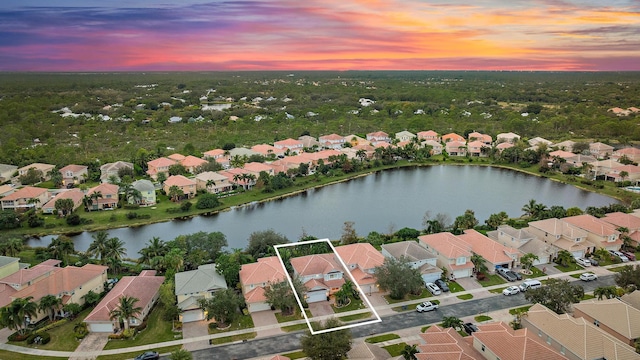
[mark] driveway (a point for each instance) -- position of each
(195, 329)
(91, 342)
(268, 319)
(320, 308)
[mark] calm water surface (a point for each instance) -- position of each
(382, 202)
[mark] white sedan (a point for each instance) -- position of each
(511, 290)
(426, 306)
(588, 276)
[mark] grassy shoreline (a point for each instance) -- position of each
(104, 220)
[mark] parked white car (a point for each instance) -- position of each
(426, 306)
(433, 288)
(511, 290)
(583, 262)
(588, 276)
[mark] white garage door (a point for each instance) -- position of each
(577, 254)
(101, 328)
(192, 315)
(255, 307)
(429, 278)
(315, 296)
(462, 273)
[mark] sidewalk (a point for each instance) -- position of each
(407, 335)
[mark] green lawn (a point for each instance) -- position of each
(158, 330)
(353, 305)
(519, 310)
(8, 355)
(491, 280)
(617, 268)
(243, 322)
(296, 327)
(395, 349)
(233, 338)
(481, 318)
(424, 294)
(297, 315)
(465, 297)
(131, 355)
(295, 355)
(455, 287)
(570, 267)
(381, 338)
(355, 317)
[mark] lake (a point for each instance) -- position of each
(383, 202)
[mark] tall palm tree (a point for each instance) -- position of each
(98, 246)
(452, 322)
(115, 248)
(564, 258)
(479, 263)
(605, 292)
(61, 247)
(409, 352)
(155, 248)
(17, 314)
(12, 246)
(125, 310)
(175, 193)
(528, 208)
(50, 304)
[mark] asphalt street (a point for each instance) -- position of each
(291, 342)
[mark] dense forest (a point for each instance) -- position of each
(63, 118)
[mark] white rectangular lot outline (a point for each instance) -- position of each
(346, 269)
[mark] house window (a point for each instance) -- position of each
(548, 339)
(562, 350)
(482, 347)
(461, 260)
(596, 323)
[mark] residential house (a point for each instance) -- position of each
(8, 265)
(378, 137)
(242, 152)
(455, 148)
(561, 154)
(25, 198)
(213, 154)
(361, 260)
(495, 254)
(445, 343)
(255, 277)
(144, 287)
(213, 182)
(579, 160)
(603, 167)
(575, 338)
(632, 299)
(76, 195)
(504, 145)
(177, 158)
(109, 170)
(331, 141)
(561, 236)
(436, 146)
(6, 190)
(356, 140)
(147, 192)
(507, 137)
(267, 150)
(418, 257)
(628, 221)
(525, 242)
(452, 137)
(192, 163)
(630, 153)
(291, 145)
(613, 316)
(600, 150)
(566, 145)
(452, 253)
(428, 135)
(483, 138)
(366, 351)
(497, 340)
(309, 142)
(44, 169)
(6, 172)
(104, 197)
(237, 176)
(537, 141)
(477, 148)
(600, 234)
(159, 165)
(187, 186)
(292, 162)
(624, 173)
(405, 135)
(321, 275)
(192, 286)
(256, 168)
(74, 174)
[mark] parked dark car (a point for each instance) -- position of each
(507, 274)
(442, 285)
(517, 275)
(470, 328)
(149, 355)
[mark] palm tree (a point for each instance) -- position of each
(155, 248)
(61, 247)
(115, 251)
(608, 292)
(210, 184)
(12, 246)
(125, 310)
(528, 208)
(452, 322)
(180, 354)
(479, 263)
(87, 201)
(564, 258)
(527, 260)
(50, 304)
(361, 154)
(175, 193)
(18, 313)
(97, 248)
(409, 352)
(602, 254)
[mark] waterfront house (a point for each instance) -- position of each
(418, 256)
(109, 170)
(255, 277)
(25, 198)
(76, 196)
(74, 174)
(321, 275)
(187, 186)
(103, 197)
(192, 286)
(147, 193)
(361, 260)
(451, 253)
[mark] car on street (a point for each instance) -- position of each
(511, 290)
(149, 355)
(588, 276)
(620, 255)
(469, 328)
(442, 285)
(507, 274)
(433, 288)
(426, 306)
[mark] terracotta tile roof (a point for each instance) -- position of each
(255, 296)
(38, 166)
(331, 138)
(509, 344)
(76, 195)
(504, 145)
(362, 254)
(597, 227)
(377, 134)
(23, 276)
(427, 134)
(614, 314)
(279, 357)
(366, 351)
(362, 277)
(257, 167)
(452, 137)
(6, 294)
(490, 250)
(628, 151)
(620, 219)
(288, 143)
(445, 344)
(315, 284)
(73, 168)
(105, 189)
(161, 162)
(178, 180)
(143, 287)
(561, 154)
(555, 226)
(27, 192)
(176, 157)
(315, 264)
(214, 153)
(266, 149)
(267, 269)
(191, 161)
(578, 336)
(446, 244)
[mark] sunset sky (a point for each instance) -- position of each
(133, 35)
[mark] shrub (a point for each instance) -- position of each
(128, 334)
(131, 215)
(131, 206)
(117, 336)
(53, 325)
(18, 337)
(39, 338)
(186, 206)
(73, 220)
